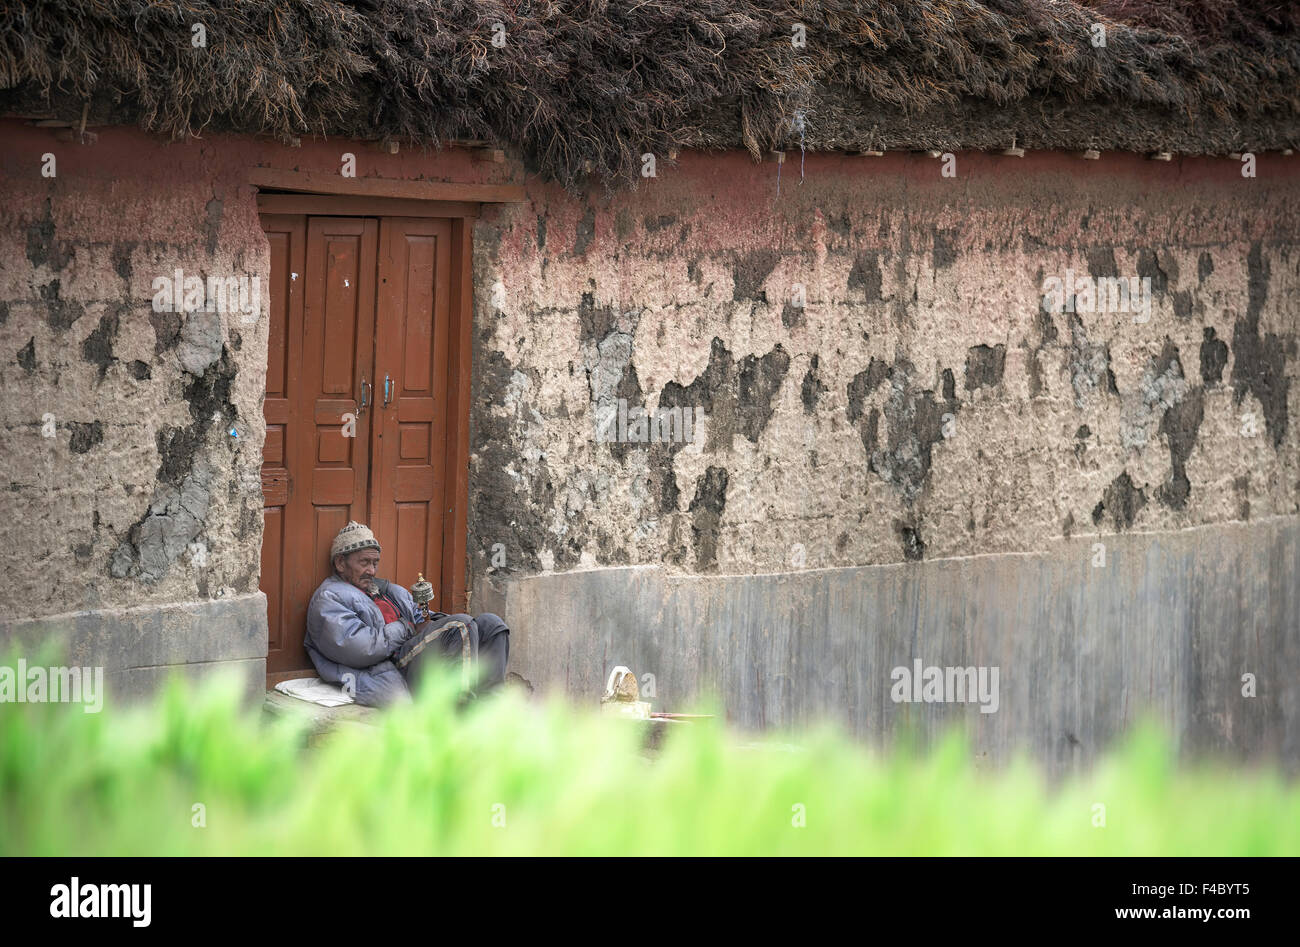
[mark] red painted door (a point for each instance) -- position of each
(355, 408)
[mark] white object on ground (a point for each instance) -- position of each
(316, 691)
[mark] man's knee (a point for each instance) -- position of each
(489, 625)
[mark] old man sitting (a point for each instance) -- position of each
(365, 632)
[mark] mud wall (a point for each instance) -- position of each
(917, 438)
(134, 435)
(878, 375)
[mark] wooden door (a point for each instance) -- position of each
(355, 302)
(315, 465)
(408, 486)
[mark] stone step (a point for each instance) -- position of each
(322, 719)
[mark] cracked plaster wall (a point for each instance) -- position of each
(141, 496)
(922, 404)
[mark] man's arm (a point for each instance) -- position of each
(339, 633)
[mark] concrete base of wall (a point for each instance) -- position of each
(1167, 626)
(139, 647)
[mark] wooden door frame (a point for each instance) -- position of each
(455, 557)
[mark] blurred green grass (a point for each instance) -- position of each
(515, 777)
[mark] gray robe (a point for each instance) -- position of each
(350, 644)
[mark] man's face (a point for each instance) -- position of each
(359, 567)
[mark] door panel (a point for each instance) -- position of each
(288, 239)
(322, 330)
(409, 472)
(338, 339)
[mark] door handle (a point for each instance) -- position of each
(364, 400)
(387, 390)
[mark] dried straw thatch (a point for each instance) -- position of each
(589, 86)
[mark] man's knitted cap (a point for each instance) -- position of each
(352, 537)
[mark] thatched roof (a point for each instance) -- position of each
(590, 86)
